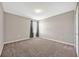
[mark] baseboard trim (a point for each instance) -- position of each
(16, 40)
(58, 41)
(42, 38)
(1, 49)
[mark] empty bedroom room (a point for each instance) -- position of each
(39, 29)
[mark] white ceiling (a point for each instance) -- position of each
(26, 9)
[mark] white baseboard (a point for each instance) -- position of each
(16, 40)
(58, 41)
(40, 37)
(1, 48)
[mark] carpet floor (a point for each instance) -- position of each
(37, 47)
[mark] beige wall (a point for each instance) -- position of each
(16, 28)
(59, 27)
(1, 29)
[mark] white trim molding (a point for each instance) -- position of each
(61, 42)
(1, 48)
(58, 41)
(16, 40)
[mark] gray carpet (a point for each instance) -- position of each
(38, 48)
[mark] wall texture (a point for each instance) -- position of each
(59, 27)
(16, 28)
(1, 29)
